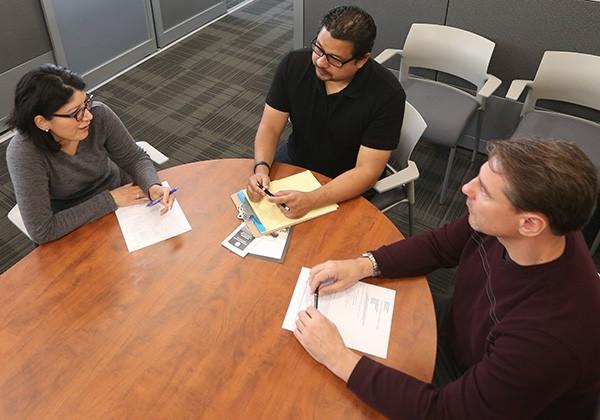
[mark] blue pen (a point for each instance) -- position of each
(157, 200)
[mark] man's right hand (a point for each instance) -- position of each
(253, 189)
(337, 275)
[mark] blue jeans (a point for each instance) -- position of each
(282, 154)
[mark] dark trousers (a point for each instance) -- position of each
(282, 154)
(446, 368)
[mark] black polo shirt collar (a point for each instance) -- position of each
(356, 86)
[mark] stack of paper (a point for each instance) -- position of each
(143, 226)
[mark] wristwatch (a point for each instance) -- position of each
(376, 271)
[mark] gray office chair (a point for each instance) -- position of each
(156, 156)
(399, 184)
(446, 109)
(567, 77)
(14, 215)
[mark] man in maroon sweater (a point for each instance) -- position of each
(524, 324)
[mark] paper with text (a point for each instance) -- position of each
(362, 313)
(144, 226)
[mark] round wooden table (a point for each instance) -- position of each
(185, 328)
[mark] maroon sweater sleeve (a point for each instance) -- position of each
(520, 376)
(424, 253)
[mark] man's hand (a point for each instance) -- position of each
(253, 189)
(338, 275)
(299, 203)
(321, 339)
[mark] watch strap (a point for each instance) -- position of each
(261, 162)
(371, 258)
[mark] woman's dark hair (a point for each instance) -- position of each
(42, 91)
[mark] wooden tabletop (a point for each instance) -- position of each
(185, 328)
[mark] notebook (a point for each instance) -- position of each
(264, 217)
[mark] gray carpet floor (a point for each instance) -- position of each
(202, 99)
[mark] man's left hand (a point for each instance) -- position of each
(299, 203)
(321, 339)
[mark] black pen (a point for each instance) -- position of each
(270, 194)
(317, 297)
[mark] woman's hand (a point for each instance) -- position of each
(128, 195)
(157, 191)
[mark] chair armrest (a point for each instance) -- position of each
(406, 175)
(386, 54)
(489, 87)
(516, 88)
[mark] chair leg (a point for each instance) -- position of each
(410, 195)
(411, 219)
(479, 123)
(595, 244)
(447, 175)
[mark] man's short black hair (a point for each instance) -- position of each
(351, 23)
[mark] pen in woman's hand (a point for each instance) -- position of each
(270, 194)
(159, 199)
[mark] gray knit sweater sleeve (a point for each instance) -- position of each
(57, 193)
(122, 149)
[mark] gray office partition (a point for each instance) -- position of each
(24, 44)
(176, 18)
(99, 38)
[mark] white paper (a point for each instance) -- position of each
(144, 226)
(362, 313)
(271, 245)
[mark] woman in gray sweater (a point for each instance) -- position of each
(72, 159)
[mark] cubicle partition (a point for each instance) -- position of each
(175, 18)
(97, 39)
(24, 44)
(522, 31)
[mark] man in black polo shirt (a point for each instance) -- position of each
(346, 112)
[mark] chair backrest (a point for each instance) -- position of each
(156, 156)
(413, 126)
(450, 50)
(14, 215)
(568, 77)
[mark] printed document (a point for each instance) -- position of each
(362, 314)
(143, 226)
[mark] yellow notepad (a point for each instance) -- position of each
(269, 214)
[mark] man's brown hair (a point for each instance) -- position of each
(553, 177)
